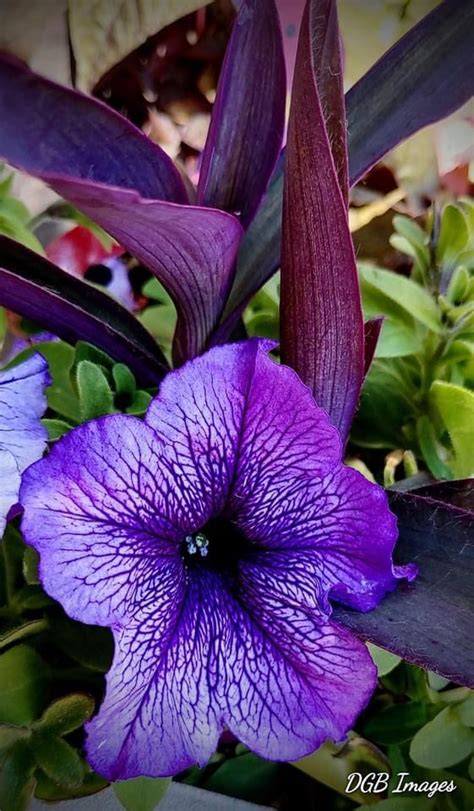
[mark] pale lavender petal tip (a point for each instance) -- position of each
(211, 538)
(22, 437)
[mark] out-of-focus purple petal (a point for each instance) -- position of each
(425, 76)
(322, 326)
(49, 128)
(22, 437)
(246, 131)
(74, 310)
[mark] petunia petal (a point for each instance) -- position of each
(281, 680)
(22, 437)
(10, 480)
(234, 417)
(94, 512)
(284, 434)
(340, 528)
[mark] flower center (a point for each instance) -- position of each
(220, 544)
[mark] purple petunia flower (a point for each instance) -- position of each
(210, 537)
(22, 437)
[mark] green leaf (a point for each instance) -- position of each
(400, 804)
(396, 724)
(387, 404)
(30, 566)
(48, 790)
(9, 736)
(23, 681)
(246, 777)
(17, 782)
(407, 294)
(57, 759)
(466, 711)
(411, 231)
(89, 645)
(124, 380)
(455, 405)
(332, 764)
(62, 395)
(442, 742)
(154, 289)
(11, 226)
(56, 428)
(453, 235)
(141, 793)
(86, 351)
(397, 339)
(140, 403)
(383, 659)
(432, 449)
(23, 631)
(66, 714)
(95, 395)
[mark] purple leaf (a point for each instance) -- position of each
(458, 493)
(322, 326)
(415, 85)
(428, 622)
(247, 123)
(191, 250)
(74, 310)
(426, 76)
(49, 128)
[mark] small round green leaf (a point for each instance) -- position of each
(57, 759)
(66, 714)
(442, 742)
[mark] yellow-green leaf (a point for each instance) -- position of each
(103, 33)
(455, 405)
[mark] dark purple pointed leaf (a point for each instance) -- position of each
(191, 250)
(426, 76)
(457, 493)
(428, 622)
(49, 128)
(75, 310)
(372, 330)
(322, 329)
(425, 88)
(248, 118)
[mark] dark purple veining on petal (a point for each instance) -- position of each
(211, 538)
